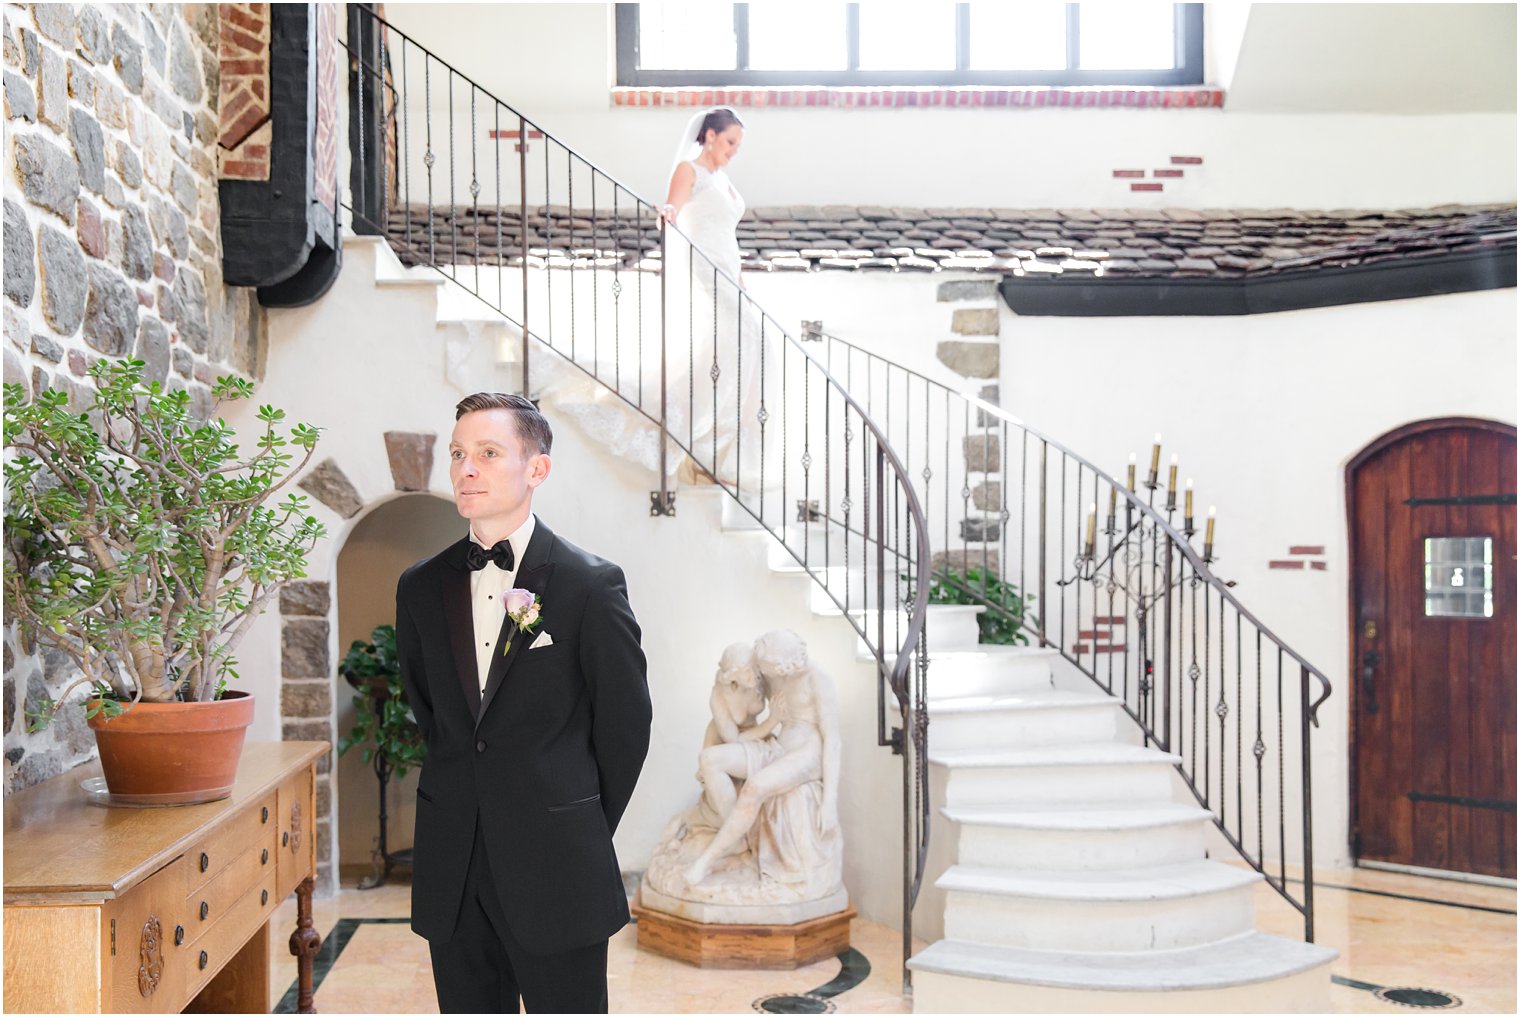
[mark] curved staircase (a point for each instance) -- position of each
(1074, 878)
(1068, 859)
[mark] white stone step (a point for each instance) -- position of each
(1114, 835)
(1253, 973)
(1016, 720)
(950, 626)
(1157, 908)
(990, 669)
(1096, 772)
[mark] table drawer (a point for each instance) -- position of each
(298, 832)
(205, 906)
(147, 972)
(212, 853)
(227, 934)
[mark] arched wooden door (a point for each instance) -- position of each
(1432, 519)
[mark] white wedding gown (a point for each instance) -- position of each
(721, 361)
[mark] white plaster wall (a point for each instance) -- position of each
(364, 360)
(1265, 411)
(554, 63)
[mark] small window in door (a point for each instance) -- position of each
(1459, 577)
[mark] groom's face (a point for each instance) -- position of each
(493, 471)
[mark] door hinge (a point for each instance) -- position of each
(113, 937)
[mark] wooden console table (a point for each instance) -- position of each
(120, 910)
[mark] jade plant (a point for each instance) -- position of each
(142, 542)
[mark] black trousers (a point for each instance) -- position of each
(484, 969)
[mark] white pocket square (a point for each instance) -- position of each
(544, 639)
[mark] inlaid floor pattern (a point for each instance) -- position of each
(1393, 931)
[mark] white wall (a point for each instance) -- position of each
(553, 62)
(1265, 411)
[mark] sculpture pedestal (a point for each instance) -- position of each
(728, 945)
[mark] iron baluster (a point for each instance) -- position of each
(522, 228)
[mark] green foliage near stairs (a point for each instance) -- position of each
(1007, 613)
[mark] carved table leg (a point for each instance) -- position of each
(304, 944)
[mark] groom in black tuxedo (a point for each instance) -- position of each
(535, 734)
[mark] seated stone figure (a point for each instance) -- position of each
(766, 829)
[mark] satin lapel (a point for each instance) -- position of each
(534, 576)
(459, 611)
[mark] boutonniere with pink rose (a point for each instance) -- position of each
(522, 607)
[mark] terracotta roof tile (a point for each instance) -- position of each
(1133, 243)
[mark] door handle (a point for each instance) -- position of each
(1370, 661)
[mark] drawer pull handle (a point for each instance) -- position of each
(263, 897)
(264, 814)
(204, 960)
(264, 857)
(205, 861)
(179, 935)
(285, 838)
(205, 910)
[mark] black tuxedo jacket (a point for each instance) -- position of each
(545, 759)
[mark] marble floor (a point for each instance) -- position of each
(1391, 930)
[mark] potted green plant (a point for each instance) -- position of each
(387, 728)
(141, 543)
(1004, 626)
(383, 721)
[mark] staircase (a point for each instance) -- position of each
(1068, 853)
(1072, 878)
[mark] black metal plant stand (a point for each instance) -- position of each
(384, 859)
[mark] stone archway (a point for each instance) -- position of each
(312, 696)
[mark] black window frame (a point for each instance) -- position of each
(1188, 71)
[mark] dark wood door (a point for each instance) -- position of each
(1432, 516)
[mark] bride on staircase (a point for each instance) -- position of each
(720, 362)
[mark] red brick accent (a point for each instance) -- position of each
(243, 55)
(1108, 619)
(1318, 566)
(910, 98)
(1166, 173)
(1285, 564)
(1145, 187)
(240, 169)
(500, 135)
(1129, 174)
(1187, 160)
(1307, 549)
(1082, 648)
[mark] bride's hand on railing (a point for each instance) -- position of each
(668, 212)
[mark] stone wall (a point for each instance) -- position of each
(112, 244)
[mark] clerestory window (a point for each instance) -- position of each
(909, 42)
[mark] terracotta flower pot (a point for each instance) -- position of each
(174, 753)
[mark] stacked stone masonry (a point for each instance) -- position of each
(306, 698)
(112, 248)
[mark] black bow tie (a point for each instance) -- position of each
(476, 556)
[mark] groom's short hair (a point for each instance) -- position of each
(532, 429)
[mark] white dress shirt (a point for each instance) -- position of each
(486, 589)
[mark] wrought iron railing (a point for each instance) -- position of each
(1073, 559)
(656, 348)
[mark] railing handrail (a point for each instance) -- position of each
(1201, 567)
